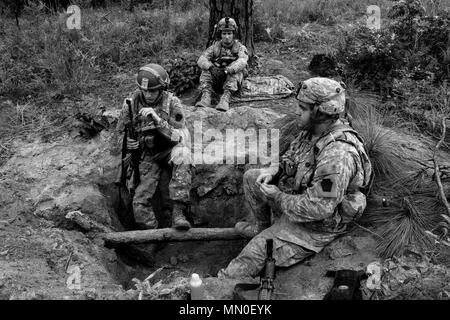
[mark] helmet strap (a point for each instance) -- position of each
(314, 113)
(319, 118)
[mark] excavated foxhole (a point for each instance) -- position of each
(178, 258)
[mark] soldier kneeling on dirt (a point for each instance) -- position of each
(153, 126)
(314, 192)
(223, 66)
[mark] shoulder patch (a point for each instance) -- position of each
(327, 187)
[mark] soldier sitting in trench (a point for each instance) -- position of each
(315, 191)
(154, 123)
(223, 66)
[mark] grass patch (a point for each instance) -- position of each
(68, 62)
(51, 74)
(321, 11)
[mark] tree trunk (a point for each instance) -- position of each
(170, 235)
(239, 10)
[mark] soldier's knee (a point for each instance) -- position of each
(239, 76)
(256, 249)
(142, 208)
(139, 198)
(234, 81)
(231, 85)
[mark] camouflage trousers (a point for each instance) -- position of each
(250, 261)
(232, 82)
(174, 183)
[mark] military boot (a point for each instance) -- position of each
(205, 101)
(178, 220)
(248, 229)
(223, 104)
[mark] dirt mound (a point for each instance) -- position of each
(44, 181)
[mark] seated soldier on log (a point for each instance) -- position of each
(317, 188)
(153, 126)
(223, 66)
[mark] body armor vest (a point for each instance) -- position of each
(148, 135)
(225, 56)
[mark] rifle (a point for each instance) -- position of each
(267, 287)
(121, 173)
(135, 177)
(129, 168)
(223, 62)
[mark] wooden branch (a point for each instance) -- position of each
(437, 172)
(171, 235)
(86, 223)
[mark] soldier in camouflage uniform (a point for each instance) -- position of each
(316, 189)
(158, 121)
(223, 66)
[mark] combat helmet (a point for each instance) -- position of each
(327, 95)
(152, 77)
(227, 24)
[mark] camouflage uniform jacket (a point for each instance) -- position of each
(167, 132)
(237, 54)
(325, 192)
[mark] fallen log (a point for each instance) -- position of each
(170, 235)
(86, 223)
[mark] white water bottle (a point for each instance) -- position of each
(197, 289)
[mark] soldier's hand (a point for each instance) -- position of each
(145, 112)
(132, 144)
(264, 178)
(269, 190)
